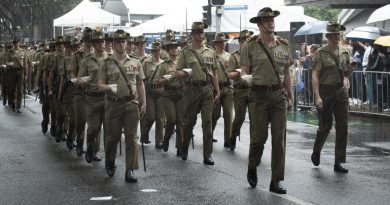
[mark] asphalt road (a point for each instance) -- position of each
(34, 169)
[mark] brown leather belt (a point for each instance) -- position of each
(240, 86)
(167, 87)
(327, 86)
(94, 94)
(270, 88)
(121, 99)
(199, 83)
(224, 84)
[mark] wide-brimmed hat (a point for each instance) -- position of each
(141, 39)
(219, 37)
(75, 42)
(120, 34)
(198, 26)
(244, 34)
(264, 12)
(172, 43)
(60, 39)
(97, 35)
(108, 36)
(16, 40)
(333, 27)
(155, 46)
(68, 40)
(87, 33)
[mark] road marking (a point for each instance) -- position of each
(148, 190)
(103, 198)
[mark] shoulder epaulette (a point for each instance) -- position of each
(251, 38)
(282, 40)
(133, 56)
(208, 46)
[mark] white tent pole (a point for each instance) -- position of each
(54, 31)
(62, 31)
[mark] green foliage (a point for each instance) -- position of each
(321, 13)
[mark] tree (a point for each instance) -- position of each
(31, 18)
(321, 13)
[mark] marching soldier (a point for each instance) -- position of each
(140, 44)
(169, 37)
(17, 74)
(240, 91)
(226, 99)
(41, 81)
(65, 93)
(172, 97)
(268, 58)
(108, 44)
(331, 64)
(3, 55)
(183, 42)
(154, 106)
(94, 100)
(197, 64)
(79, 96)
(121, 78)
(75, 45)
(130, 45)
(57, 64)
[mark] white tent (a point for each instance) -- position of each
(87, 14)
(231, 21)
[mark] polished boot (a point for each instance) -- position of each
(315, 158)
(44, 127)
(88, 155)
(233, 143)
(159, 146)
(339, 168)
(276, 187)
(184, 152)
(129, 177)
(208, 161)
(79, 148)
(178, 152)
(53, 130)
(215, 140)
(252, 177)
(69, 143)
(110, 168)
(165, 144)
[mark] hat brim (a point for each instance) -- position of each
(342, 29)
(257, 19)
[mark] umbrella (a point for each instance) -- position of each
(365, 33)
(381, 14)
(312, 28)
(383, 41)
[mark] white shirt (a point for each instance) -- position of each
(367, 53)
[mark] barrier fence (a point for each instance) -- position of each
(368, 92)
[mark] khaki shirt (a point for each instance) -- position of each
(164, 55)
(18, 57)
(90, 66)
(148, 67)
(143, 58)
(110, 74)
(168, 68)
(187, 59)
(76, 61)
(66, 72)
(254, 57)
(223, 67)
(328, 71)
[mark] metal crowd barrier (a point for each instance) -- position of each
(369, 93)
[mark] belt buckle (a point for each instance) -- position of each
(269, 88)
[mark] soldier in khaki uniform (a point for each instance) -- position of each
(225, 102)
(154, 91)
(48, 113)
(169, 37)
(331, 64)
(270, 95)
(172, 97)
(240, 90)
(124, 103)
(94, 99)
(183, 42)
(79, 95)
(65, 93)
(57, 64)
(130, 45)
(140, 43)
(197, 64)
(17, 73)
(108, 44)
(3, 54)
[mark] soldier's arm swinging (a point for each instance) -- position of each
(141, 95)
(315, 84)
(287, 86)
(216, 85)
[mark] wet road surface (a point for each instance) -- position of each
(34, 169)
